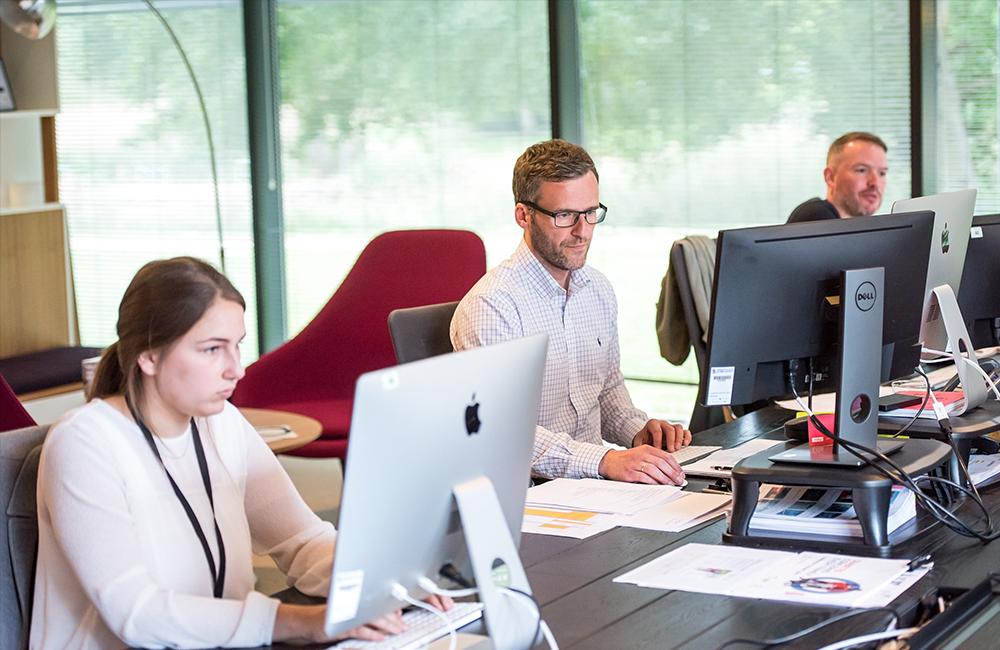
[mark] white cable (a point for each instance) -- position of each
(940, 359)
(989, 382)
(402, 593)
(543, 626)
(876, 636)
(992, 385)
(802, 405)
(549, 637)
(432, 587)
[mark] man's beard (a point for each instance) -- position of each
(853, 207)
(551, 253)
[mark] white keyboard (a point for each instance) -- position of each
(422, 628)
(693, 452)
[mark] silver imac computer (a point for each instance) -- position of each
(436, 475)
(942, 327)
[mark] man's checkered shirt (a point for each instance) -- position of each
(584, 398)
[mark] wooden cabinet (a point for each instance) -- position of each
(36, 302)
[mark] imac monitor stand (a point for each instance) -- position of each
(949, 243)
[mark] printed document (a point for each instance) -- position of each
(720, 464)
(688, 509)
(818, 578)
(821, 511)
(582, 508)
(596, 495)
(577, 524)
(984, 468)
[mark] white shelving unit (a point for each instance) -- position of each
(34, 270)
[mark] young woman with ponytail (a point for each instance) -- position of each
(153, 496)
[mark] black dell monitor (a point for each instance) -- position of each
(979, 295)
(775, 304)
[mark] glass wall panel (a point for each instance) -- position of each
(402, 114)
(708, 115)
(134, 166)
(968, 113)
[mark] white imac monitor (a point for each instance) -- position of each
(424, 437)
(949, 243)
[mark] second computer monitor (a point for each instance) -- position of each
(417, 431)
(952, 222)
(979, 296)
(775, 294)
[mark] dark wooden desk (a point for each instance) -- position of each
(572, 580)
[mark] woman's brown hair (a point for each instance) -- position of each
(164, 300)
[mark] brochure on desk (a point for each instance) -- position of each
(816, 578)
(984, 469)
(822, 512)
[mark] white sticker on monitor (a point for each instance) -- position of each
(976, 232)
(720, 386)
(346, 594)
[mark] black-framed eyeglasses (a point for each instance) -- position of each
(569, 218)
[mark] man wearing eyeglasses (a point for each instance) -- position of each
(546, 287)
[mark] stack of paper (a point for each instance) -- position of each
(820, 578)
(984, 469)
(952, 401)
(720, 464)
(580, 508)
(819, 511)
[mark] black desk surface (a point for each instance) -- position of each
(572, 580)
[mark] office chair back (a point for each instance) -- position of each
(421, 332)
(20, 451)
(702, 417)
(12, 413)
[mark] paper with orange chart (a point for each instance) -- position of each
(579, 524)
(584, 507)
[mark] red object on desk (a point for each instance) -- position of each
(945, 397)
(816, 437)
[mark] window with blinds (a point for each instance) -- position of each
(402, 114)
(708, 115)
(134, 166)
(968, 112)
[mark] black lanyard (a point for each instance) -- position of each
(218, 576)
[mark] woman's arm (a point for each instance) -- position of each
(282, 525)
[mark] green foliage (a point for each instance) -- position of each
(690, 73)
(969, 34)
(396, 64)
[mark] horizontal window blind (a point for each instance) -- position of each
(709, 115)
(134, 167)
(968, 112)
(402, 114)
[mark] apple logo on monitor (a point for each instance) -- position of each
(945, 236)
(472, 422)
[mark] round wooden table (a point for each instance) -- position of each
(299, 429)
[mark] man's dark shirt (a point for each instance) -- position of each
(815, 209)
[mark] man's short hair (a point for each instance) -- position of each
(841, 142)
(549, 161)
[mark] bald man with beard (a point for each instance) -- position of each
(855, 175)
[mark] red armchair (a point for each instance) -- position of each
(314, 373)
(12, 413)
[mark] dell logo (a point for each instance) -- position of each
(472, 422)
(865, 296)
